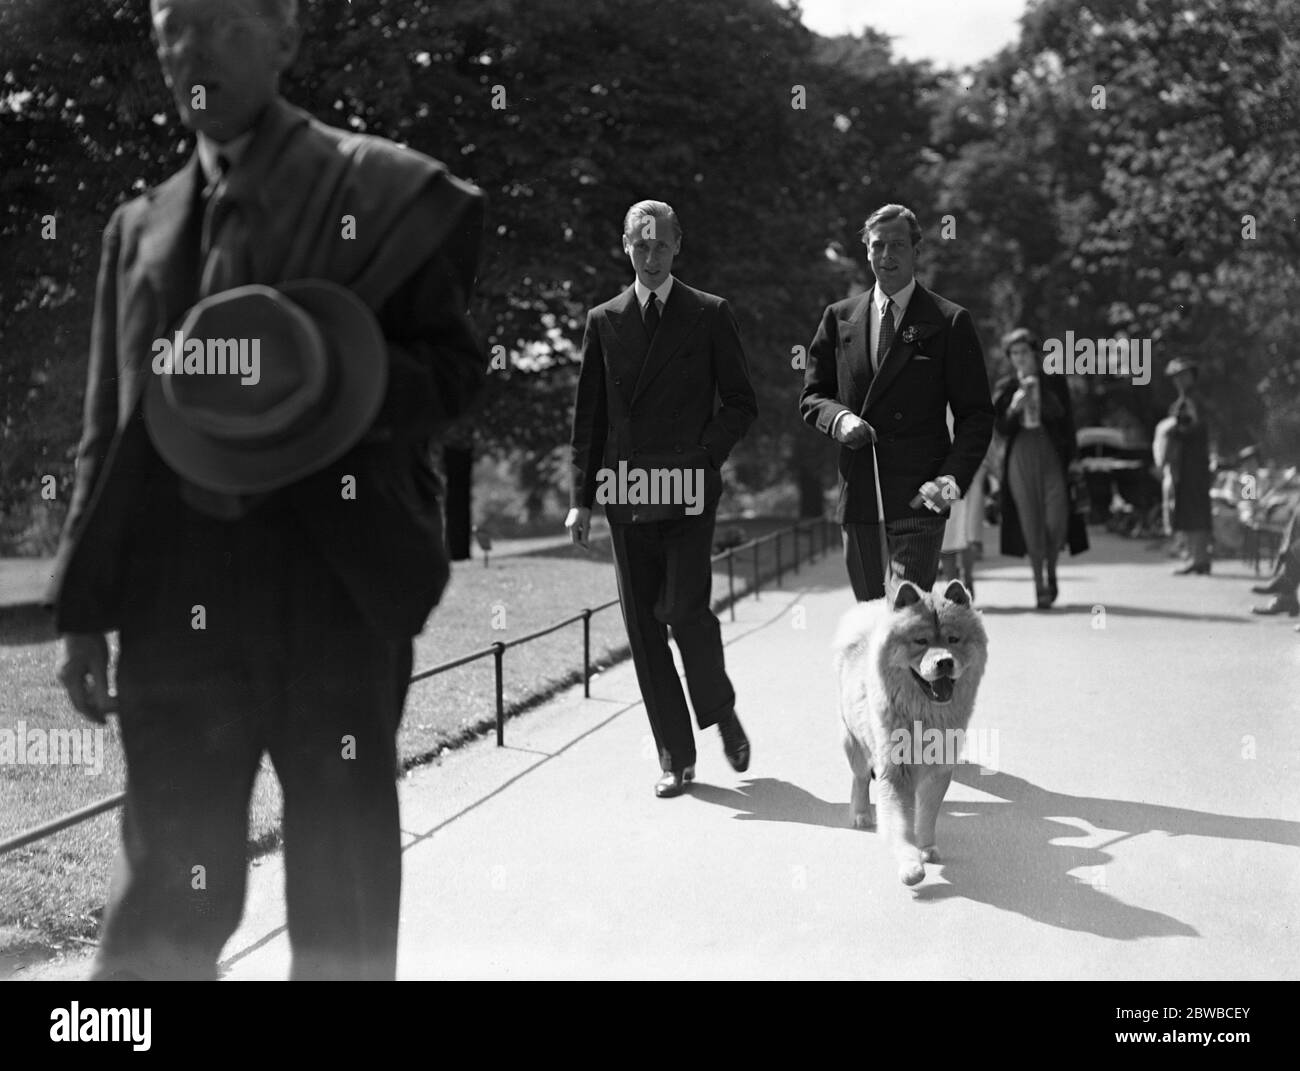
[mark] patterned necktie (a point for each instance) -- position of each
(886, 334)
(651, 316)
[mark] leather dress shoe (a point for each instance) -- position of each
(1276, 586)
(735, 744)
(673, 782)
(1280, 605)
(1192, 567)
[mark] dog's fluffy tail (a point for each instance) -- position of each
(856, 627)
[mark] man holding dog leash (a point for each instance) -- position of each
(883, 370)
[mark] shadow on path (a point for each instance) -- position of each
(769, 799)
(1009, 854)
(1003, 854)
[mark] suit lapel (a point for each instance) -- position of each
(681, 311)
(921, 310)
(629, 329)
(169, 264)
(168, 243)
(855, 336)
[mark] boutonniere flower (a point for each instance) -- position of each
(911, 334)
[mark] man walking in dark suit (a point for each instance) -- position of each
(882, 372)
(265, 544)
(663, 397)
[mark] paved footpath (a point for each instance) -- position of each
(1137, 815)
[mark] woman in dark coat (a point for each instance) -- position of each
(1032, 412)
(1190, 465)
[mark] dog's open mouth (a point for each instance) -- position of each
(938, 690)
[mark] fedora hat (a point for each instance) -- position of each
(1181, 364)
(262, 385)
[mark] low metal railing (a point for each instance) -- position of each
(817, 531)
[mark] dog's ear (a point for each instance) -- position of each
(956, 592)
(908, 593)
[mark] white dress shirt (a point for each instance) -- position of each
(661, 292)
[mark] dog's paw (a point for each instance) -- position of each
(865, 820)
(911, 873)
(930, 854)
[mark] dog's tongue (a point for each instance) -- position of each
(942, 688)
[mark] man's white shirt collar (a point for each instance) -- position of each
(232, 150)
(901, 298)
(661, 292)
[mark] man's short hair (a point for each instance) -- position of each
(659, 210)
(281, 12)
(888, 212)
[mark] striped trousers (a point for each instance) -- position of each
(914, 545)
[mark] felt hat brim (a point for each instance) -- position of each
(360, 369)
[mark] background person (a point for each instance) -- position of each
(1189, 462)
(1035, 417)
(664, 385)
(260, 609)
(884, 368)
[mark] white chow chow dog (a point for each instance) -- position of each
(909, 670)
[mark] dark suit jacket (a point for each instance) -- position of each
(1058, 422)
(906, 402)
(684, 401)
(413, 261)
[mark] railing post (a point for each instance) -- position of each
(731, 583)
(798, 550)
(586, 654)
(498, 654)
(757, 582)
(779, 571)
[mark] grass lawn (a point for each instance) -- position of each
(51, 892)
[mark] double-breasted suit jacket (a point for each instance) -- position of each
(935, 362)
(681, 401)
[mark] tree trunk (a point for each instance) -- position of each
(809, 465)
(458, 465)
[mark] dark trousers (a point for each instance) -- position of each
(914, 546)
(284, 665)
(665, 579)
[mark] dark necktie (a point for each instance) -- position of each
(651, 316)
(223, 254)
(886, 334)
(224, 247)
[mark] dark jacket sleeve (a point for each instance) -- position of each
(739, 405)
(590, 419)
(1005, 422)
(967, 385)
(1068, 435)
(436, 360)
(101, 403)
(819, 402)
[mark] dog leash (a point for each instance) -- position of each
(880, 519)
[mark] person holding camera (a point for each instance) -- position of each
(1033, 414)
